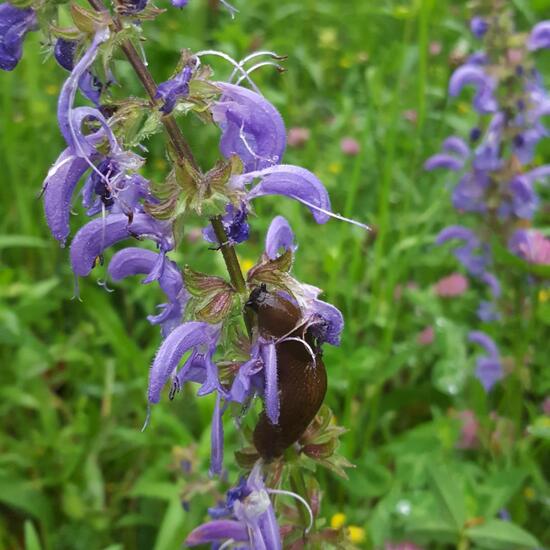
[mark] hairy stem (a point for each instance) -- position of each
(180, 145)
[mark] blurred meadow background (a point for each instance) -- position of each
(431, 448)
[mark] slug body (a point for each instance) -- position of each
(302, 381)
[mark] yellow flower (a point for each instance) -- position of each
(356, 534)
(247, 264)
(335, 167)
(337, 521)
(544, 295)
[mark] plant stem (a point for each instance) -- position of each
(180, 145)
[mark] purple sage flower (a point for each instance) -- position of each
(540, 36)
(247, 517)
(489, 368)
(14, 25)
(479, 26)
(251, 127)
(174, 89)
(473, 75)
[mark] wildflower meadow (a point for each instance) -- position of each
(275, 275)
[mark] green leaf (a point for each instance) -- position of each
(507, 258)
(497, 534)
(449, 495)
(32, 540)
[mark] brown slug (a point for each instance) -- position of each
(302, 381)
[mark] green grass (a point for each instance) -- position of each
(75, 469)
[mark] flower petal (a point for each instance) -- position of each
(441, 160)
(279, 235)
(293, 182)
(271, 397)
(68, 93)
(457, 232)
(474, 75)
(137, 261)
(540, 36)
(330, 322)
(485, 341)
(216, 439)
(251, 127)
(101, 233)
(217, 531)
(182, 339)
(58, 188)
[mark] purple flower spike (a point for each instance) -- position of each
(218, 531)
(279, 235)
(489, 369)
(479, 26)
(14, 25)
(473, 75)
(174, 89)
(540, 36)
(272, 405)
(188, 336)
(442, 160)
(251, 127)
(101, 233)
(290, 181)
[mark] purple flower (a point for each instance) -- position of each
(479, 26)
(248, 517)
(235, 223)
(325, 322)
(201, 339)
(290, 181)
(524, 199)
(489, 368)
(531, 245)
(487, 312)
(484, 101)
(64, 53)
(70, 119)
(251, 127)
(130, 7)
(174, 89)
(469, 193)
(474, 262)
(487, 154)
(454, 154)
(136, 261)
(180, 3)
(540, 36)
(493, 283)
(92, 239)
(279, 235)
(14, 25)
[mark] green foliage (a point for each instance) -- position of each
(76, 472)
